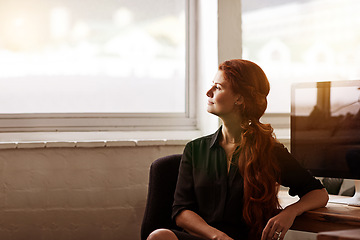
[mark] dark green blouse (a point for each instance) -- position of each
(205, 187)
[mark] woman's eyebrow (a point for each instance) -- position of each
(217, 83)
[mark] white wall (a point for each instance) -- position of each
(219, 39)
(207, 62)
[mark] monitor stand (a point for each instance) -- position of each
(351, 201)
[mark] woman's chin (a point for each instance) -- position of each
(212, 112)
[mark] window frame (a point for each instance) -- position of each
(62, 122)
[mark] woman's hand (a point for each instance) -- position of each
(221, 236)
(213, 234)
(195, 225)
(277, 227)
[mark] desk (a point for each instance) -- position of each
(330, 218)
(353, 234)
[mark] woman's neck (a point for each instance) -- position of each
(231, 134)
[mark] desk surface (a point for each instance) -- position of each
(352, 234)
(330, 218)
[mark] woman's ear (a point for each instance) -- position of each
(239, 100)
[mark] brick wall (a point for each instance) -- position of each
(75, 193)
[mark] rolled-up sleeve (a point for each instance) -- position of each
(184, 197)
(293, 175)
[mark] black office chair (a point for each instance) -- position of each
(162, 182)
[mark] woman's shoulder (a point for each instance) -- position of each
(202, 140)
(207, 139)
(281, 151)
(278, 146)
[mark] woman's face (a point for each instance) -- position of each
(221, 98)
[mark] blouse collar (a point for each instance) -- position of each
(215, 138)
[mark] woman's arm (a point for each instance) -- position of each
(284, 220)
(195, 225)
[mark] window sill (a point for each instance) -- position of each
(107, 139)
(95, 139)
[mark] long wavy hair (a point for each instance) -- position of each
(256, 162)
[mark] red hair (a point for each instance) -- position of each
(256, 161)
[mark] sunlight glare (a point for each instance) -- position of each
(60, 22)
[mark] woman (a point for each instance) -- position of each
(228, 181)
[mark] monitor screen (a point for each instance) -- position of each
(325, 128)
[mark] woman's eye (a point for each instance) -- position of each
(215, 86)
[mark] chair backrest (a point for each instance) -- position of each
(162, 182)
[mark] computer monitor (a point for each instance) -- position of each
(325, 130)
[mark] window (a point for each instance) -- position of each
(95, 65)
(301, 41)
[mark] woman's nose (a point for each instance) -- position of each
(209, 92)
